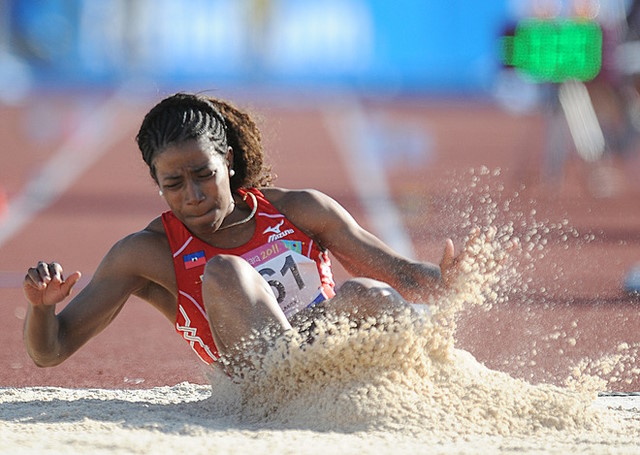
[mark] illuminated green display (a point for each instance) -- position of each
(555, 51)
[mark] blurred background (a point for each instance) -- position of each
(411, 46)
(421, 118)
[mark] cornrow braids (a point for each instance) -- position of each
(182, 117)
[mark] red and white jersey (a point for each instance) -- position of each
(296, 267)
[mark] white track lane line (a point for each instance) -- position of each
(347, 123)
(92, 138)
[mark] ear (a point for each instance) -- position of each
(229, 157)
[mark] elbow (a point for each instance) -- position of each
(41, 362)
(44, 351)
(46, 363)
(45, 360)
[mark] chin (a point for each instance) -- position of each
(204, 222)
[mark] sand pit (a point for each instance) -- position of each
(183, 418)
(390, 386)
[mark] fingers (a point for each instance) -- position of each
(448, 256)
(71, 280)
(44, 273)
(55, 272)
(38, 276)
(448, 262)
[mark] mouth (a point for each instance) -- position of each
(200, 215)
(204, 214)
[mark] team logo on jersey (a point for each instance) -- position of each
(276, 233)
(274, 229)
(194, 259)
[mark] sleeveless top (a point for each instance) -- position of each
(297, 268)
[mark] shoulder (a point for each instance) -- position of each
(140, 264)
(152, 235)
(293, 201)
(146, 246)
(313, 211)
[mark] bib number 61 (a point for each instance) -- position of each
(288, 266)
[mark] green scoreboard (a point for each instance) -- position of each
(555, 50)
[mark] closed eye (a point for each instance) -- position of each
(175, 184)
(205, 174)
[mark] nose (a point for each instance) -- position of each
(194, 194)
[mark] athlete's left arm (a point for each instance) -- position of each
(360, 252)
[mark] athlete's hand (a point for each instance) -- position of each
(45, 284)
(450, 266)
(450, 263)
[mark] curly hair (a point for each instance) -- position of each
(182, 117)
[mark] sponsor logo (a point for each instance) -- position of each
(274, 229)
(274, 237)
(276, 232)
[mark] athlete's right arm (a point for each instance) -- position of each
(51, 338)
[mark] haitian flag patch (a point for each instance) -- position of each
(194, 259)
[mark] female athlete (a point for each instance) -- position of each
(233, 256)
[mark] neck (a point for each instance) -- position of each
(242, 220)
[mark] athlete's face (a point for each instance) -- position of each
(194, 180)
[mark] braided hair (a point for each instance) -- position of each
(183, 117)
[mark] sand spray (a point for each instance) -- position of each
(406, 375)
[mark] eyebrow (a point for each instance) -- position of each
(201, 168)
(197, 169)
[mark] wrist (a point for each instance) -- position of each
(41, 309)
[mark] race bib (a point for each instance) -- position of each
(292, 276)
